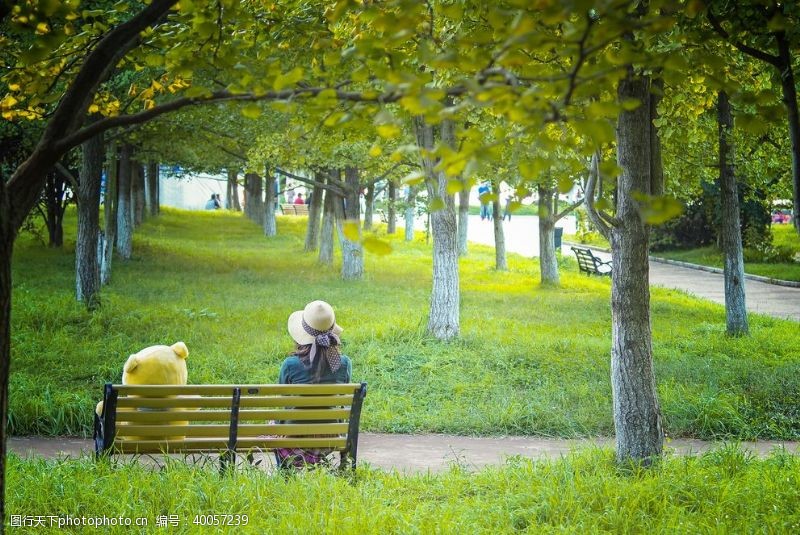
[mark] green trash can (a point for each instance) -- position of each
(559, 232)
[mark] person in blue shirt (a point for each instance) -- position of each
(316, 359)
(485, 210)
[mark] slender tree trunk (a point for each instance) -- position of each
(443, 321)
(270, 227)
(87, 266)
(500, 262)
(731, 233)
(55, 200)
(789, 87)
(548, 262)
(392, 209)
(314, 216)
(369, 206)
(352, 254)
(326, 234)
(139, 199)
(7, 235)
(254, 198)
(153, 194)
(124, 219)
(233, 191)
(411, 200)
(637, 415)
(463, 222)
(110, 214)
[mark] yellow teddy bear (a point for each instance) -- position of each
(155, 365)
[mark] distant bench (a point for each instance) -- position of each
(588, 263)
(230, 419)
(294, 209)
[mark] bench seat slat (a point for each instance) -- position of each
(204, 444)
(154, 417)
(222, 431)
(227, 390)
(186, 402)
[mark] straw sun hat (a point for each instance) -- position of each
(317, 315)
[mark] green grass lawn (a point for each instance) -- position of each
(531, 360)
(722, 492)
(783, 236)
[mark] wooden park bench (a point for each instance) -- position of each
(588, 263)
(230, 419)
(294, 209)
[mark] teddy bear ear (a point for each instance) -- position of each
(131, 364)
(180, 349)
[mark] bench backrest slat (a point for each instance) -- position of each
(155, 417)
(185, 402)
(220, 444)
(221, 431)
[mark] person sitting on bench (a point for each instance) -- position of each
(315, 360)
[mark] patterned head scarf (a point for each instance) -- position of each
(327, 342)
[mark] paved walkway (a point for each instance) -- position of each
(522, 237)
(421, 453)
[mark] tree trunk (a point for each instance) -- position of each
(411, 200)
(790, 100)
(314, 216)
(139, 198)
(55, 200)
(124, 219)
(637, 415)
(232, 200)
(254, 198)
(548, 262)
(463, 222)
(352, 254)
(443, 322)
(730, 233)
(369, 206)
(391, 209)
(87, 266)
(153, 194)
(110, 214)
(7, 235)
(270, 227)
(326, 234)
(500, 262)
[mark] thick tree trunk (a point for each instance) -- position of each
(153, 192)
(314, 216)
(730, 233)
(232, 191)
(124, 216)
(110, 214)
(7, 234)
(500, 262)
(411, 200)
(790, 100)
(254, 198)
(637, 415)
(326, 234)
(139, 198)
(270, 204)
(352, 253)
(369, 206)
(548, 262)
(87, 266)
(391, 210)
(463, 222)
(443, 321)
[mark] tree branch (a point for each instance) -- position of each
(602, 222)
(332, 187)
(750, 51)
(568, 209)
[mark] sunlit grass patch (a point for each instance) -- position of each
(531, 359)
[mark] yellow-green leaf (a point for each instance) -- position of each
(251, 111)
(351, 230)
(376, 246)
(287, 79)
(436, 204)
